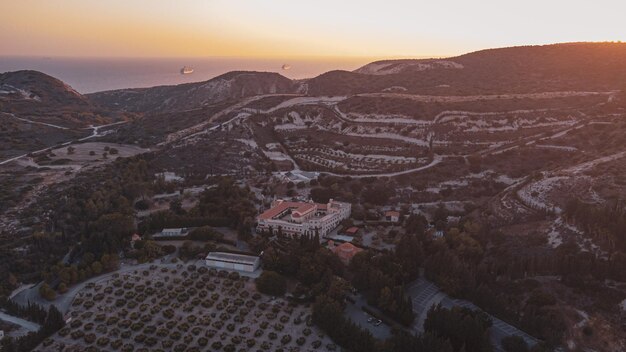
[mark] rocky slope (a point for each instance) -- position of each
(573, 66)
(229, 86)
(35, 96)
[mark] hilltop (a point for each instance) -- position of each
(39, 97)
(572, 66)
(229, 86)
(39, 111)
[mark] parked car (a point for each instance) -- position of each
(378, 322)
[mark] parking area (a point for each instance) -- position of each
(378, 329)
(424, 294)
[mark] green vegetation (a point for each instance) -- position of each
(228, 205)
(465, 329)
(51, 321)
(271, 283)
(382, 278)
(328, 315)
(514, 343)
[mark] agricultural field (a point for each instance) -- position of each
(184, 308)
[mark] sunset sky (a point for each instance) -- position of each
(288, 28)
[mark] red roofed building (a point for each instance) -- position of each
(352, 230)
(345, 251)
(392, 216)
(303, 218)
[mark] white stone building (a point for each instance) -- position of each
(303, 218)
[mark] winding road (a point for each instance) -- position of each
(29, 326)
(95, 133)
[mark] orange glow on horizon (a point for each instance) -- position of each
(287, 29)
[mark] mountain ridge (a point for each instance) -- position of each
(231, 85)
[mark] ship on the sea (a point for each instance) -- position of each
(186, 70)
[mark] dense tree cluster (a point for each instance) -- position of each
(302, 258)
(91, 215)
(226, 205)
(382, 277)
(328, 315)
(606, 223)
(467, 330)
(459, 264)
(271, 283)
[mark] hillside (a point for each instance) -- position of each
(229, 86)
(35, 96)
(573, 66)
(516, 155)
(39, 111)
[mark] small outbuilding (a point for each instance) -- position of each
(177, 232)
(345, 251)
(351, 231)
(233, 261)
(392, 216)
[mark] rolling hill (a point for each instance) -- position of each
(571, 66)
(229, 86)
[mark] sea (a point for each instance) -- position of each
(88, 75)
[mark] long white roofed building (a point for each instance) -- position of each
(303, 218)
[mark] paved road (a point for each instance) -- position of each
(436, 160)
(37, 122)
(63, 302)
(425, 295)
(27, 325)
(95, 133)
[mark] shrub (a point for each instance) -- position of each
(216, 345)
(90, 338)
(514, 343)
(167, 344)
(285, 339)
(103, 341)
(150, 341)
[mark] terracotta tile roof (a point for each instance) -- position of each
(299, 207)
(346, 251)
(392, 213)
(352, 230)
(302, 208)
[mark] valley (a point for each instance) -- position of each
(508, 181)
